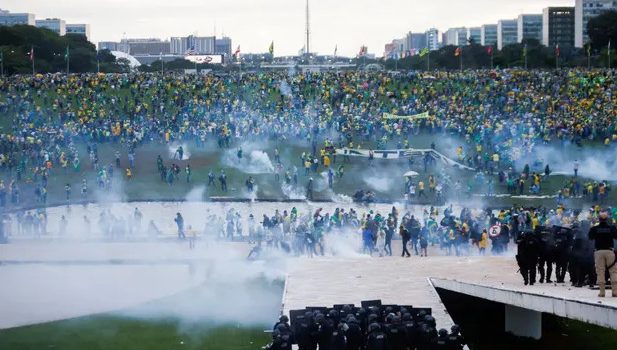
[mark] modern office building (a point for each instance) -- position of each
(558, 26)
(529, 27)
(456, 36)
(108, 45)
(474, 34)
(137, 47)
(584, 11)
(11, 19)
(432, 39)
(488, 34)
(507, 32)
(81, 29)
(192, 44)
(56, 25)
(223, 46)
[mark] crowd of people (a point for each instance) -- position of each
(370, 327)
(370, 231)
(502, 115)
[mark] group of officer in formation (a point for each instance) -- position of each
(376, 327)
(585, 252)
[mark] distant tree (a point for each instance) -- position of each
(124, 64)
(49, 50)
(603, 28)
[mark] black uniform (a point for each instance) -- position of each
(562, 250)
(547, 253)
(527, 257)
(376, 339)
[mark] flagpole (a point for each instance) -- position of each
(1, 62)
(68, 58)
(588, 55)
(525, 54)
(492, 53)
(460, 59)
(609, 53)
(428, 61)
(32, 58)
(556, 53)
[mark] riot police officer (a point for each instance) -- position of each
(527, 257)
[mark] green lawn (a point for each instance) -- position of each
(114, 333)
(384, 178)
(163, 324)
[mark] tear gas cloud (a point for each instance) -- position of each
(172, 150)
(594, 162)
(253, 161)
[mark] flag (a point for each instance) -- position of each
(363, 50)
(525, 50)
(588, 49)
(1, 56)
(489, 50)
(31, 53)
(609, 45)
(271, 49)
(335, 50)
(237, 52)
(161, 56)
(557, 51)
(66, 54)
(424, 52)
(457, 52)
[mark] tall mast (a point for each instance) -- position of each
(308, 29)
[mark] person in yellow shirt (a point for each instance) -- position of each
(326, 161)
(483, 244)
(534, 221)
(307, 166)
(421, 190)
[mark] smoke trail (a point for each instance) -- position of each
(172, 151)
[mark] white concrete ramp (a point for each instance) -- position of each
(574, 303)
(329, 281)
(411, 281)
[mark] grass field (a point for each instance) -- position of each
(187, 320)
(384, 177)
(113, 333)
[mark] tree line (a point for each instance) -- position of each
(20, 43)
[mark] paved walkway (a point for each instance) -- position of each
(328, 281)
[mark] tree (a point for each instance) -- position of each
(124, 64)
(49, 51)
(603, 28)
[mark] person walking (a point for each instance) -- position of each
(180, 223)
(603, 235)
(405, 236)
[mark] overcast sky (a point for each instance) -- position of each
(253, 24)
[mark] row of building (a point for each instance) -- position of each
(199, 45)
(564, 26)
(146, 48)
(57, 25)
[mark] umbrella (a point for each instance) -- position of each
(411, 173)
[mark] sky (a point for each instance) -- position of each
(254, 24)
